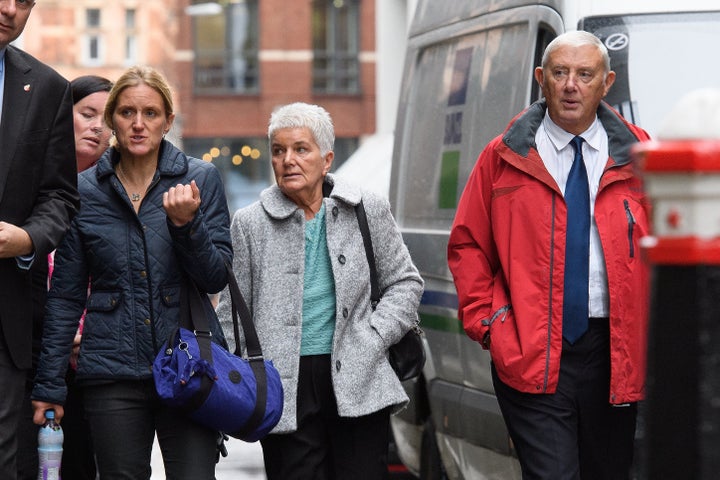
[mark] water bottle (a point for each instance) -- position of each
(50, 448)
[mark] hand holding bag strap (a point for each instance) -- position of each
(254, 351)
(367, 241)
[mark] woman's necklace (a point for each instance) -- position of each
(134, 196)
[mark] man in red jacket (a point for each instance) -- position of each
(545, 257)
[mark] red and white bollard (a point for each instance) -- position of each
(681, 417)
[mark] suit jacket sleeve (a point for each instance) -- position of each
(57, 199)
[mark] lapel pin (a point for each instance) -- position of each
(27, 87)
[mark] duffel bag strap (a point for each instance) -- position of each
(193, 317)
(254, 352)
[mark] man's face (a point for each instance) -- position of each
(14, 15)
(573, 83)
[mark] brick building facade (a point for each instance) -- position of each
(230, 63)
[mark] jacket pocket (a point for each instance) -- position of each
(103, 301)
(170, 295)
(102, 327)
(504, 341)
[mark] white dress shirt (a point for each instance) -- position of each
(553, 145)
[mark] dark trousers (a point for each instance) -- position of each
(574, 433)
(124, 417)
(78, 460)
(27, 433)
(325, 445)
(12, 404)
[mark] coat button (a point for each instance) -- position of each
(341, 259)
(337, 365)
(147, 321)
(335, 211)
(345, 312)
(143, 273)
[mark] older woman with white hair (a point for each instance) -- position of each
(301, 265)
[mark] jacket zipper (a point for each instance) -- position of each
(500, 311)
(631, 225)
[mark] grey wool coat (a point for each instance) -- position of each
(269, 260)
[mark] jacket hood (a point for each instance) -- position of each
(520, 134)
(279, 206)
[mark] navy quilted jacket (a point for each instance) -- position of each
(136, 264)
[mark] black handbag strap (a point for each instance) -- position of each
(369, 253)
(197, 322)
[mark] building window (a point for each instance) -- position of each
(92, 46)
(130, 37)
(336, 38)
(226, 48)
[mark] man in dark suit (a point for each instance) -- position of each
(38, 198)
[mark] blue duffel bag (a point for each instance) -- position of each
(239, 396)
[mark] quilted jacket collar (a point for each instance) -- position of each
(172, 161)
(278, 206)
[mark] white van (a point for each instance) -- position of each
(469, 70)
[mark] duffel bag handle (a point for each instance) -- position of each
(194, 318)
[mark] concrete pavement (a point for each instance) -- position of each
(244, 462)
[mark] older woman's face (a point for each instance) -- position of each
(298, 165)
(140, 121)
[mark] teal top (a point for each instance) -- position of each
(318, 313)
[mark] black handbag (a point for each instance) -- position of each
(242, 397)
(407, 357)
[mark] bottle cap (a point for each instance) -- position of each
(50, 414)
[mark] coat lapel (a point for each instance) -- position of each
(16, 99)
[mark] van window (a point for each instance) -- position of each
(464, 93)
(544, 37)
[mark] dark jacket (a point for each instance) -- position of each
(38, 181)
(136, 264)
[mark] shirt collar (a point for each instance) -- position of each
(561, 138)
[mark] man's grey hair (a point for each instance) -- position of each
(304, 115)
(577, 38)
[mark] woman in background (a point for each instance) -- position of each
(92, 138)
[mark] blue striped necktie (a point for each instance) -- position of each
(577, 248)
